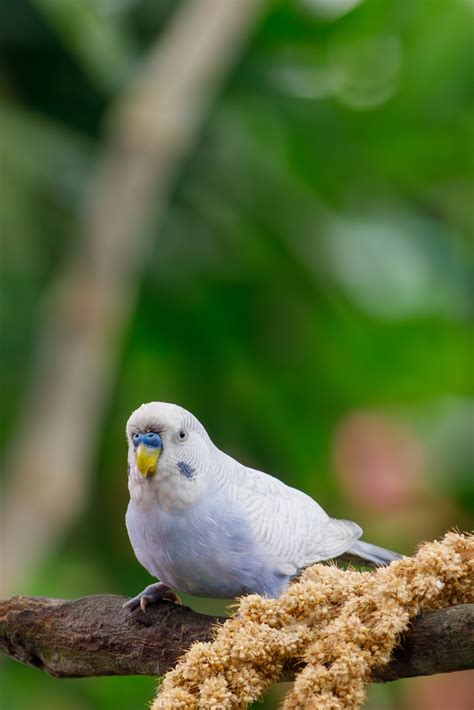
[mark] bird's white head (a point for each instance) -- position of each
(168, 455)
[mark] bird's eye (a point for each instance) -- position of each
(182, 435)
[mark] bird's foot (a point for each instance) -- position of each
(150, 595)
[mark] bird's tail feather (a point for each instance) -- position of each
(373, 553)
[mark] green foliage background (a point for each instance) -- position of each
(314, 258)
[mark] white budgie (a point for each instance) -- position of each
(207, 525)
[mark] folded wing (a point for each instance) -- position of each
(293, 530)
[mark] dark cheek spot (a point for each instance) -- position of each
(186, 469)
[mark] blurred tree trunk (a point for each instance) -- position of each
(149, 132)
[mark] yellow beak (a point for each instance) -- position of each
(146, 458)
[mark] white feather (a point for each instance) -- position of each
(228, 529)
(294, 530)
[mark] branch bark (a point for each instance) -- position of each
(95, 636)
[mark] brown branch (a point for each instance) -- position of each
(95, 636)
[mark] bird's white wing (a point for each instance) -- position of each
(291, 527)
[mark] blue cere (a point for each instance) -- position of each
(149, 438)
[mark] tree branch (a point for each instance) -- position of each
(95, 636)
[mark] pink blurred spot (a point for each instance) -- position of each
(379, 462)
(450, 691)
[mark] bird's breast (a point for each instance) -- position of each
(206, 549)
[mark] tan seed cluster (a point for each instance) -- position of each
(341, 624)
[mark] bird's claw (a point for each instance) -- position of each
(150, 595)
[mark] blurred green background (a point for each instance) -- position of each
(307, 291)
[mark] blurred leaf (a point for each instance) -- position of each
(99, 38)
